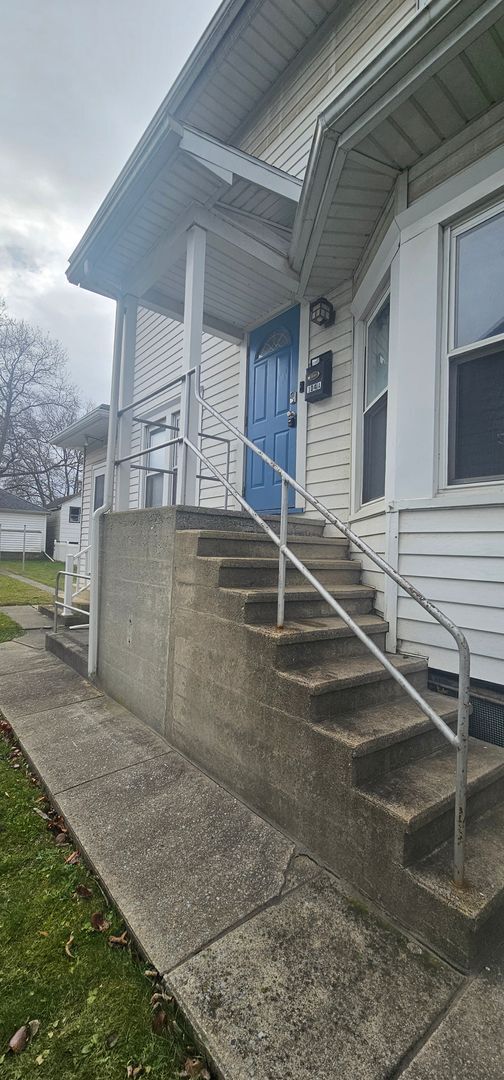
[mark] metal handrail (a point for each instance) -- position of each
(61, 603)
(458, 741)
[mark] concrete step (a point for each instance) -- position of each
(259, 605)
(418, 798)
(250, 545)
(249, 572)
(384, 737)
(70, 648)
(464, 923)
(65, 620)
(311, 640)
(321, 692)
(297, 524)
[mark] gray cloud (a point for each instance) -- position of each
(79, 82)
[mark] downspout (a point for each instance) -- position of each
(108, 492)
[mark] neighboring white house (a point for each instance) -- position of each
(89, 433)
(22, 526)
(64, 525)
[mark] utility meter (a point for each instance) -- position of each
(318, 379)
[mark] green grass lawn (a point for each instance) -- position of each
(13, 591)
(37, 569)
(8, 628)
(93, 1001)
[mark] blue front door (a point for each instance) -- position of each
(272, 379)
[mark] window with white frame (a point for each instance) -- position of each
(74, 513)
(375, 402)
(476, 349)
(161, 486)
(98, 490)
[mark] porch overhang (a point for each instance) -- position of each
(246, 208)
(443, 71)
(89, 430)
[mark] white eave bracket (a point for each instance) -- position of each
(227, 162)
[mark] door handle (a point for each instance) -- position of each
(291, 418)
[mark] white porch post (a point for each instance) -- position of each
(125, 423)
(193, 332)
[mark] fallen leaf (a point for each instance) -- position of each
(99, 922)
(159, 1021)
(68, 947)
(121, 940)
(19, 1040)
(158, 997)
(134, 1070)
(43, 933)
(34, 1028)
(41, 813)
(111, 1040)
(61, 838)
(194, 1067)
(83, 892)
(73, 858)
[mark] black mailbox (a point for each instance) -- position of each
(319, 378)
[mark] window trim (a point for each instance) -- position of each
(450, 354)
(77, 520)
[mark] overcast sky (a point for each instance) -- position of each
(79, 82)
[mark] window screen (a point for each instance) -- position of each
(375, 438)
(74, 514)
(477, 418)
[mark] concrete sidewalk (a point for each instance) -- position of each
(279, 973)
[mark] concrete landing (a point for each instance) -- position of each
(280, 974)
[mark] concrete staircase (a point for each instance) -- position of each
(309, 729)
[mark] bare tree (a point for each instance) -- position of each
(36, 401)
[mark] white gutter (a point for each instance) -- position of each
(94, 590)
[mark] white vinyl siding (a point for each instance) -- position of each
(220, 377)
(456, 558)
(329, 421)
(11, 531)
(93, 460)
(372, 529)
(283, 132)
(68, 531)
(158, 360)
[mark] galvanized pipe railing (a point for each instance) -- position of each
(68, 575)
(458, 741)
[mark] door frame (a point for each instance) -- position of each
(302, 412)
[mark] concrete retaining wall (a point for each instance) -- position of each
(137, 549)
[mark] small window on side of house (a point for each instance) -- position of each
(99, 491)
(476, 351)
(74, 515)
(375, 403)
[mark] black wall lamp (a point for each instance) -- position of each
(322, 312)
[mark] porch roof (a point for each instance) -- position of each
(272, 239)
(247, 208)
(87, 431)
(444, 70)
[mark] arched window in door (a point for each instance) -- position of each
(275, 341)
